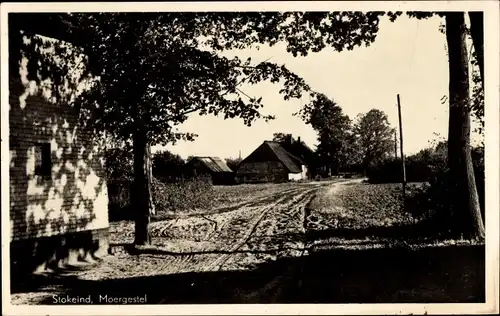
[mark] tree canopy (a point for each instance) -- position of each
(167, 166)
(171, 61)
(337, 147)
(375, 136)
(282, 137)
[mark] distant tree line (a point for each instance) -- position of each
(119, 164)
(346, 145)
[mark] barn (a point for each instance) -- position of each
(57, 185)
(275, 162)
(214, 167)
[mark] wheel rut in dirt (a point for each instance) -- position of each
(261, 201)
(265, 228)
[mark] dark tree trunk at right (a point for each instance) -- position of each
(477, 34)
(466, 214)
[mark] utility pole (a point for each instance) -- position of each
(395, 145)
(401, 148)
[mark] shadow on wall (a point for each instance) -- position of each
(57, 180)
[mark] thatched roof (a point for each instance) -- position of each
(214, 164)
(291, 162)
(272, 150)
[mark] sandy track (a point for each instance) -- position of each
(262, 232)
(266, 229)
(258, 231)
(259, 201)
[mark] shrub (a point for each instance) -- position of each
(119, 174)
(118, 163)
(431, 201)
(434, 203)
(119, 198)
(386, 171)
(167, 167)
(183, 195)
(419, 168)
(440, 184)
(417, 201)
(437, 196)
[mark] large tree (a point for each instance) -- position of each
(466, 218)
(160, 56)
(336, 148)
(154, 69)
(375, 136)
(465, 204)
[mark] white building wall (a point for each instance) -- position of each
(73, 196)
(304, 172)
(298, 176)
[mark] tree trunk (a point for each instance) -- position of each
(142, 200)
(477, 33)
(328, 166)
(466, 214)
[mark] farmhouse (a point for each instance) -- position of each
(276, 161)
(214, 167)
(58, 193)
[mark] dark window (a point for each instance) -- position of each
(43, 163)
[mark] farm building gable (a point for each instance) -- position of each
(291, 162)
(271, 162)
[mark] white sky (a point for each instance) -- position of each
(408, 57)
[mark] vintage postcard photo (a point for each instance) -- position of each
(250, 158)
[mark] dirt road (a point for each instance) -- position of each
(232, 238)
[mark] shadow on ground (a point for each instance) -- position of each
(422, 231)
(389, 275)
